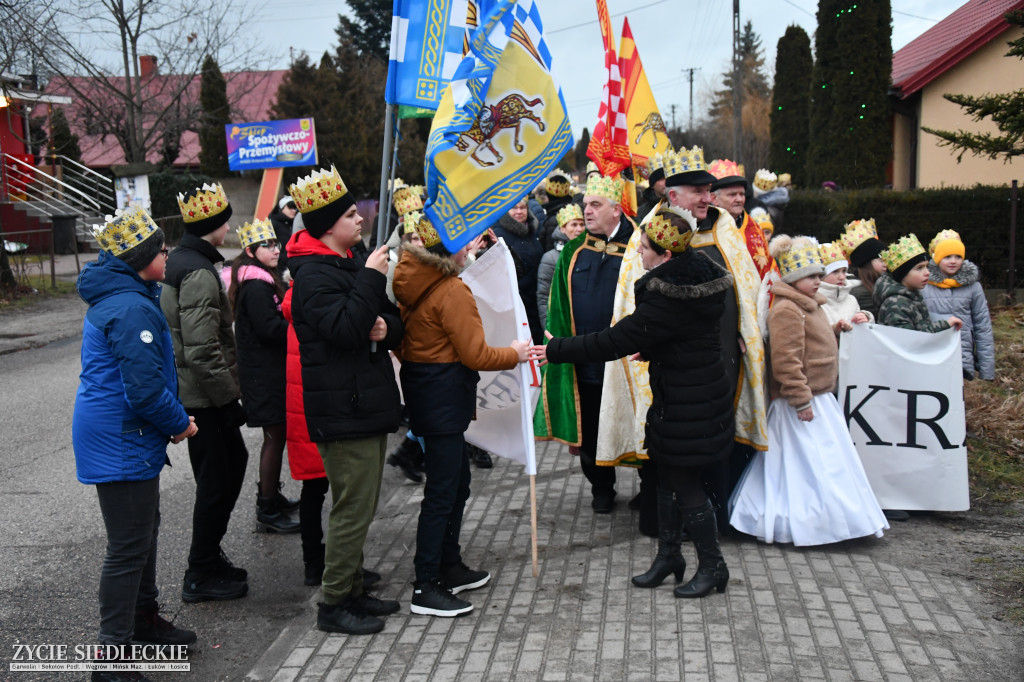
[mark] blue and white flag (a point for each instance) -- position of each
(501, 126)
(427, 38)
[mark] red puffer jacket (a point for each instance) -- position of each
(303, 457)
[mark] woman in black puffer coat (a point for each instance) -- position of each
(519, 230)
(690, 423)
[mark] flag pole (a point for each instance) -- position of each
(533, 520)
(382, 207)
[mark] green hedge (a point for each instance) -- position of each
(164, 188)
(981, 215)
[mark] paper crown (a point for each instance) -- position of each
(410, 220)
(407, 199)
(396, 184)
(765, 180)
(684, 161)
(427, 231)
(763, 219)
(655, 162)
(723, 168)
(945, 235)
(256, 232)
(592, 168)
(856, 233)
(671, 235)
(801, 259)
(558, 185)
(569, 212)
(207, 202)
(832, 252)
(785, 179)
(900, 251)
(320, 188)
(610, 188)
(124, 230)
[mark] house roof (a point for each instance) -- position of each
(947, 43)
(251, 94)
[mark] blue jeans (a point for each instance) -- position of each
(131, 514)
(444, 500)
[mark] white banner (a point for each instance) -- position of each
(504, 420)
(902, 396)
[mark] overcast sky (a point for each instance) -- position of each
(671, 35)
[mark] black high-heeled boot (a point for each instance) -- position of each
(669, 558)
(712, 573)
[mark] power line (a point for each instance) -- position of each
(908, 14)
(793, 4)
(594, 21)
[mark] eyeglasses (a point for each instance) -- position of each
(165, 251)
(269, 245)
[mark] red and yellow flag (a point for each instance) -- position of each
(646, 129)
(609, 147)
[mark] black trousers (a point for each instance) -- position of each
(218, 456)
(602, 478)
(131, 514)
(311, 509)
(444, 501)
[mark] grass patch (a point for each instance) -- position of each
(32, 289)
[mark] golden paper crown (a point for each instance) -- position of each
(592, 168)
(832, 252)
(657, 161)
(801, 259)
(569, 212)
(785, 179)
(410, 220)
(208, 201)
(558, 185)
(664, 232)
(610, 188)
(396, 184)
(856, 233)
(427, 231)
(684, 161)
(765, 180)
(320, 188)
(407, 199)
(126, 229)
(763, 219)
(722, 168)
(900, 251)
(256, 232)
(941, 237)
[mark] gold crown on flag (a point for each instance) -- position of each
(558, 184)
(900, 251)
(569, 212)
(610, 188)
(407, 199)
(945, 235)
(856, 233)
(256, 232)
(832, 252)
(427, 231)
(765, 180)
(722, 168)
(124, 230)
(665, 233)
(684, 161)
(318, 189)
(208, 201)
(801, 259)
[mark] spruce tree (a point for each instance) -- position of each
(850, 115)
(791, 104)
(580, 153)
(370, 31)
(64, 141)
(216, 113)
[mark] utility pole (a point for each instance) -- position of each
(673, 108)
(737, 84)
(690, 70)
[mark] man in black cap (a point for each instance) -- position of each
(729, 192)
(282, 219)
(199, 315)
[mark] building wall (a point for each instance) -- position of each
(902, 137)
(987, 71)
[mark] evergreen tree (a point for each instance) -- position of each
(850, 141)
(1006, 110)
(580, 153)
(791, 104)
(64, 141)
(370, 31)
(216, 113)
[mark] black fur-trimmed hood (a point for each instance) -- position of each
(687, 277)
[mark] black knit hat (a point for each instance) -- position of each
(903, 270)
(142, 254)
(866, 251)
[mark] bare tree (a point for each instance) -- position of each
(94, 55)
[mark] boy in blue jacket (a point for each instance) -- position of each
(126, 411)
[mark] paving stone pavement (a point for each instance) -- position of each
(838, 612)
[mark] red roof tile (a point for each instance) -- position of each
(948, 42)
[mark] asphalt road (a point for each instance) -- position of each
(52, 539)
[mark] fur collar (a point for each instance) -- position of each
(967, 274)
(781, 289)
(445, 264)
(834, 292)
(516, 228)
(689, 276)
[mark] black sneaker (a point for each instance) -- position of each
(214, 587)
(459, 578)
(481, 458)
(374, 606)
(405, 459)
(603, 503)
(431, 598)
(227, 569)
(347, 619)
(152, 628)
